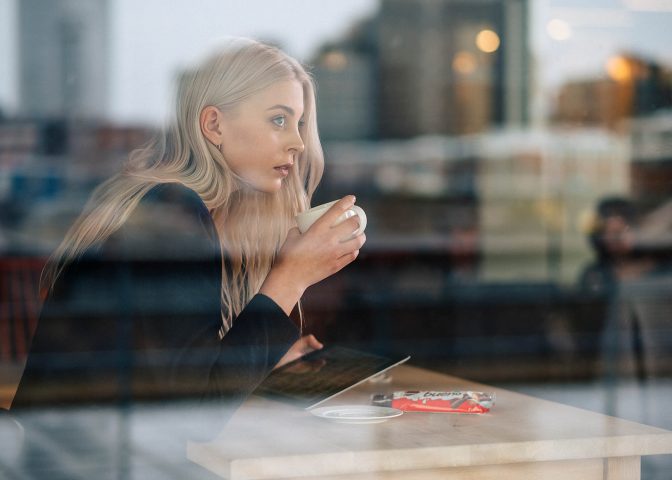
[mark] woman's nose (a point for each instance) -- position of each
(296, 143)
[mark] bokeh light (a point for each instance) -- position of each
(487, 41)
(619, 69)
(335, 60)
(464, 62)
(559, 29)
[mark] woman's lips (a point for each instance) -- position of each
(283, 169)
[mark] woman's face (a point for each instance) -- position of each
(261, 136)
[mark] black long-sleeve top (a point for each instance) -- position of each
(139, 316)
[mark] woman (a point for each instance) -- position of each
(182, 273)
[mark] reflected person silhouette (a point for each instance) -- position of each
(612, 237)
(180, 276)
(618, 261)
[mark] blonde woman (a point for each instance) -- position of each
(182, 272)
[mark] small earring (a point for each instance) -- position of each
(219, 147)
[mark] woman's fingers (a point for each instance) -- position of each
(304, 345)
(351, 251)
(307, 344)
(345, 260)
(353, 244)
(314, 343)
(345, 230)
(305, 259)
(332, 215)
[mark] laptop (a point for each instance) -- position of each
(323, 374)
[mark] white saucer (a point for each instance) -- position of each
(356, 413)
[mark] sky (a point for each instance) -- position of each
(299, 26)
(599, 29)
(151, 42)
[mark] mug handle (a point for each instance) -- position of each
(362, 220)
(355, 210)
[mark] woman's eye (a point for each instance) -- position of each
(279, 121)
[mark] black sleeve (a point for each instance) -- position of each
(140, 315)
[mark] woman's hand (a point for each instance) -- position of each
(308, 258)
(301, 347)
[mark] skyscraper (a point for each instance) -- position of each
(346, 74)
(452, 66)
(64, 58)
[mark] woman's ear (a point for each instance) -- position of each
(211, 125)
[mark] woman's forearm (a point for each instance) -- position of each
(282, 288)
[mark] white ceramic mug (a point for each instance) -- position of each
(305, 219)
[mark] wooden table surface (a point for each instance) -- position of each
(522, 437)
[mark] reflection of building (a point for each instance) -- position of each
(63, 57)
(535, 193)
(525, 194)
(427, 67)
(594, 102)
(346, 74)
(652, 158)
(452, 66)
(634, 87)
(48, 169)
(346, 101)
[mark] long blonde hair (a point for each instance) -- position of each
(251, 225)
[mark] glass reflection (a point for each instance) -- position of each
(514, 159)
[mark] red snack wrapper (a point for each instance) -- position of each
(428, 401)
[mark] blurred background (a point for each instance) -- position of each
(514, 158)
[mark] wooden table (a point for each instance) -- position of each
(522, 437)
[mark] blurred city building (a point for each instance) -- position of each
(632, 87)
(64, 58)
(347, 79)
(440, 66)
(536, 189)
(651, 173)
(521, 194)
(474, 60)
(48, 167)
